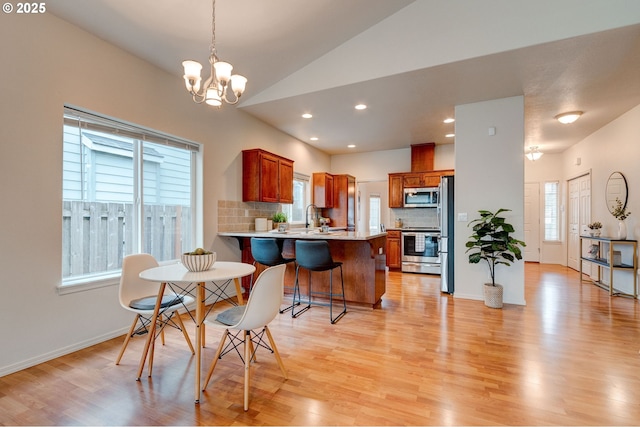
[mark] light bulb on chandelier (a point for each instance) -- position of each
(216, 88)
(533, 153)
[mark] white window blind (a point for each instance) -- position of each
(551, 203)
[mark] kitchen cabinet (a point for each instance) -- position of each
(605, 258)
(399, 181)
(394, 255)
(343, 212)
(266, 177)
(396, 195)
(322, 191)
(335, 195)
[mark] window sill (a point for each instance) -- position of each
(87, 284)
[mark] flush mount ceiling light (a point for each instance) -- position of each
(570, 117)
(216, 88)
(534, 154)
(360, 107)
(307, 116)
(449, 120)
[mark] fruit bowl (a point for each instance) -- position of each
(195, 262)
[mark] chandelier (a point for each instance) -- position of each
(533, 153)
(220, 82)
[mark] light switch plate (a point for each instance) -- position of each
(462, 216)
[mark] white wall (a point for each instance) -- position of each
(46, 63)
(489, 175)
(612, 148)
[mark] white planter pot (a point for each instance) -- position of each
(493, 295)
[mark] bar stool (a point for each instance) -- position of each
(315, 255)
(265, 251)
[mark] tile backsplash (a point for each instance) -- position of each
(415, 217)
(240, 216)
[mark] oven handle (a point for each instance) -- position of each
(427, 233)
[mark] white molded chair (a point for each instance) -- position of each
(139, 296)
(261, 308)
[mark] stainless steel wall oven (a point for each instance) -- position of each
(420, 251)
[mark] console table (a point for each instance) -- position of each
(605, 260)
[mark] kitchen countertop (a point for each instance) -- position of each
(306, 234)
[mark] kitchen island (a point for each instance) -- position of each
(362, 254)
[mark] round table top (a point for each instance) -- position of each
(178, 273)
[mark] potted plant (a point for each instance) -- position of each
(280, 221)
(595, 228)
(492, 242)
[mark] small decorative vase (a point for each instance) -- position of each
(596, 232)
(622, 230)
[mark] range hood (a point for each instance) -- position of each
(422, 156)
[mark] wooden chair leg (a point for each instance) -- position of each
(184, 331)
(127, 338)
(214, 362)
(275, 351)
(153, 347)
(247, 367)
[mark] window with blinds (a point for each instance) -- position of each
(125, 189)
(551, 216)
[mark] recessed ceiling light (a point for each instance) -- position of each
(314, 138)
(570, 117)
(450, 135)
(351, 146)
(449, 120)
(307, 116)
(360, 107)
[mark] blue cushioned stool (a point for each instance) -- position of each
(266, 251)
(315, 255)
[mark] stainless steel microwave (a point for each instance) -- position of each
(428, 197)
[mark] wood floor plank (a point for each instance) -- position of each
(569, 357)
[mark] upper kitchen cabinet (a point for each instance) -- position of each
(322, 194)
(343, 213)
(399, 181)
(396, 195)
(266, 177)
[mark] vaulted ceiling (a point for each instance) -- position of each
(410, 61)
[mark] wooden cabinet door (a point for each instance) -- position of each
(269, 172)
(396, 191)
(412, 180)
(322, 191)
(286, 181)
(266, 177)
(431, 179)
(394, 257)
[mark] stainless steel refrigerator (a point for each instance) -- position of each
(446, 234)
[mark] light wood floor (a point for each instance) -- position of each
(570, 357)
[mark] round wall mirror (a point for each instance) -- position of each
(616, 189)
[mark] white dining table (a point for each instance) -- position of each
(182, 281)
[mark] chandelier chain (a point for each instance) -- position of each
(213, 52)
